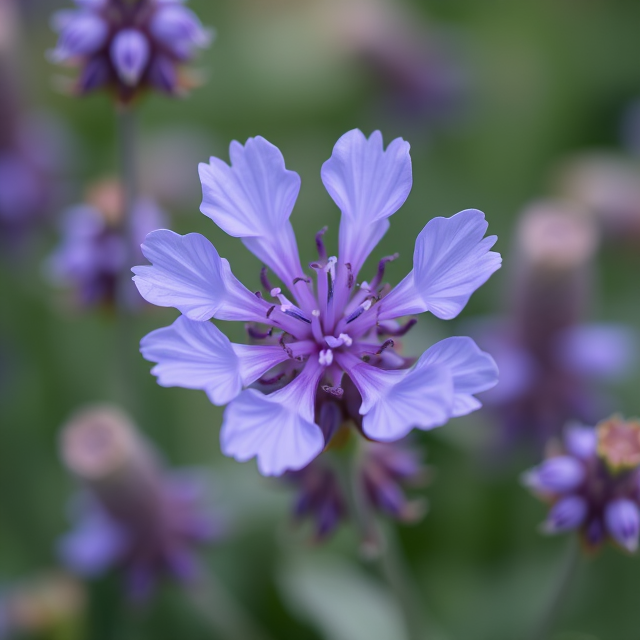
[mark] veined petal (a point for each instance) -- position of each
(130, 53)
(187, 273)
(197, 355)
(369, 184)
(394, 402)
(472, 370)
(81, 33)
(252, 199)
(277, 428)
(451, 260)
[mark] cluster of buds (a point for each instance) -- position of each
(592, 480)
(132, 514)
(129, 45)
(548, 358)
(98, 241)
(382, 471)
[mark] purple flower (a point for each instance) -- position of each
(383, 470)
(332, 345)
(93, 251)
(132, 514)
(550, 361)
(129, 46)
(592, 480)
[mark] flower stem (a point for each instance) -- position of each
(383, 550)
(224, 614)
(559, 593)
(126, 349)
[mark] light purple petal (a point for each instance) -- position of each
(252, 199)
(580, 441)
(556, 475)
(394, 402)
(598, 350)
(187, 273)
(472, 370)
(622, 518)
(451, 260)
(94, 545)
(278, 428)
(566, 514)
(179, 29)
(369, 184)
(81, 33)
(130, 53)
(197, 355)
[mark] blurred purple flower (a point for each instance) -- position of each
(129, 45)
(549, 361)
(133, 514)
(93, 252)
(592, 480)
(382, 471)
(310, 345)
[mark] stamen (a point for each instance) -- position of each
(295, 314)
(384, 329)
(385, 345)
(302, 279)
(365, 306)
(315, 325)
(257, 335)
(336, 392)
(381, 267)
(350, 276)
(322, 251)
(270, 311)
(288, 349)
(346, 339)
(264, 279)
(273, 380)
(325, 357)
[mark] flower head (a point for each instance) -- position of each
(133, 514)
(321, 355)
(128, 45)
(94, 250)
(592, 480)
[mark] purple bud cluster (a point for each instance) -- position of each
(383, 472)
(592, 480)
(128, 45)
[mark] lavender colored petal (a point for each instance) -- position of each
(394, 402)
(472, 370)
(605, 351)
(187, 273)
(197, 355)
(369, 184)
(81, 34)
(451, 260)
(252, 199)
(130, 52)
(278, 428)
(556, 475)
(179, 29)
(580, 441)
(566, 514)
(94, 545)
(622, 519)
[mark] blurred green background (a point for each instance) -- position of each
(540, 80)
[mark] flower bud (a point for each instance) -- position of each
(622, 518)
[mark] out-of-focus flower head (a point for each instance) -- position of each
(382, 471)
(549, 360)
(44, 606)
(31, 149)
(409, 60)
(132, 515)
(321, 354)
(592, 480)
(93, 251)
(129, 45)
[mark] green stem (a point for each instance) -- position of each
(224, 614)
(544, 626)
(379, 548)
(126, 347)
